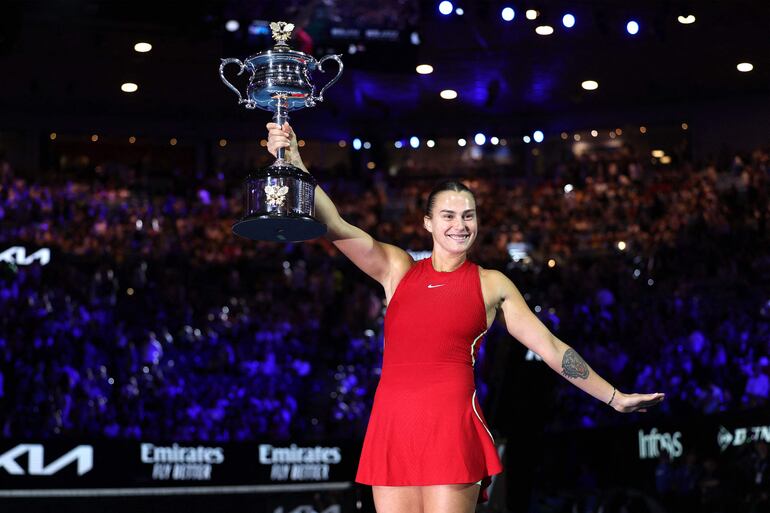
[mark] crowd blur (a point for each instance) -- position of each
(152, 320)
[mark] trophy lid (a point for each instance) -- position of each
(281, 34)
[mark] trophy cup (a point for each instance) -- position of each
(279, 199)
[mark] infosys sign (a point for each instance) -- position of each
(653, 443)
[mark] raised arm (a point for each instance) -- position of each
(527, 329)
(383, 262)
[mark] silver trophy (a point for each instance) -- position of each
(279, 199)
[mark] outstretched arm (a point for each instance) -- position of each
(527, 328)
(383, 262)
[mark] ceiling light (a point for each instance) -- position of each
(445, 7)
(508, 13)
(538, 136)
(745, 67)
(632, 27)
(480, 138)
(430, 143)
(424, 69)
(232, 25)
(142, 47)
(531, 14)
(590, 85)
(448, 94)
(526, 139)
(544, 30)
(461, 142)
(568, 20)
(129, 87)
(686, 20)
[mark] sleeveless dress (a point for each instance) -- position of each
(426, 426)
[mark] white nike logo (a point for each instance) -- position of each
(434, 286)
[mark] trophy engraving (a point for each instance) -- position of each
(279, 199)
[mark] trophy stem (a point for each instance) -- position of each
(280, 117)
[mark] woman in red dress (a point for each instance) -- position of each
(427, 446)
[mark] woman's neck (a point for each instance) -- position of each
(444, 262)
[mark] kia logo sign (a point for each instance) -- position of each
(83, 454)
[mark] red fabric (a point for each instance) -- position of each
(423, 428)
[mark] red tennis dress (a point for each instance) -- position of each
(426, 426)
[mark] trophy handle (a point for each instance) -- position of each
(250, 104)
(310, 101)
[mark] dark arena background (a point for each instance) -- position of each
(151, 360)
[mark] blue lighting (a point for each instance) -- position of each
(446, 7)
(508, 13)
(568, 20)
(538, 136)
(480, 139)
(414, 142)
(356, 143)
(632, 27)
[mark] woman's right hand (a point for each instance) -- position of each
(283, 137)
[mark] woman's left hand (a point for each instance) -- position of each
(626, 403)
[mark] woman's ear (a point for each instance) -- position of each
(426, 224)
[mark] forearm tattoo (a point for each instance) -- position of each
(573, 366)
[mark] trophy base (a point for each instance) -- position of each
(283, 228)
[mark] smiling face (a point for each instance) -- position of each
(453, 221)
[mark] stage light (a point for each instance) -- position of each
(52, 136)
(173, 141)
(544, 30)
(590, 85)
(459, 11)
(414, 142)
(370, 165)
(508, 13)
(131, 140)
(621, 245)
(357, 143)
(745, 67)
(686, 20)
(658, 153)
(94, 138)
(461, 142)
(448, 94)
(446, 7)
(414, 38)
(643, 129)
(424, 69)
(618, 131)
(142, 47)
(494, 140)
(576, 137)
(594, 133)
(568, 188)
(430, 143)
(129, 87)
(564, 136)
(398, 144)
(538, 136)
(632, 27)
(551, 263)
(232, 25)
(526, 139)
(532, 14)
(342, 143)
(665, 159)
(222, 143)
(685, 126)
(367, 145)
(568, 20)
(480, 138)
